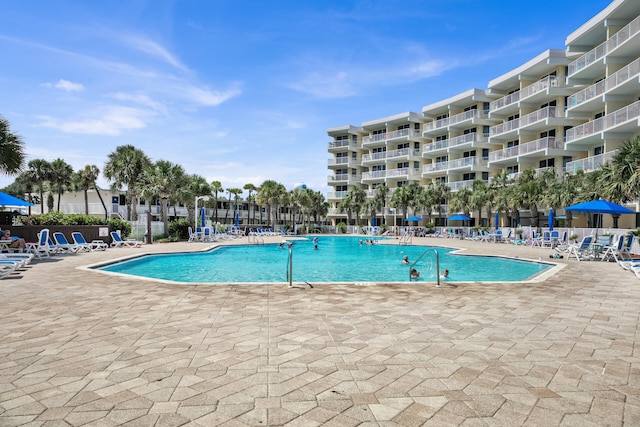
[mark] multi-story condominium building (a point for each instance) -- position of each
(564, 109)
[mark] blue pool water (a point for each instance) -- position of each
(338, 259)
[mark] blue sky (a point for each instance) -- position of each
(244, 91)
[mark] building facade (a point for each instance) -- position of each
(566, 109)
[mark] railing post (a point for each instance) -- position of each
(290, 267)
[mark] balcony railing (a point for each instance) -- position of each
(541, 114)
(390, 154)
(602, 49)
(504, 127)
(374, 138)
(374, 175)
(603, 123)
(516, 175)
(454, 164)
(529, 147)
(539, 86)
(344, 177)
(340, 144)
(437, 124)
(505, 100)
(590, 164)
(339, 161)
(336, 194)
(614, 80)
(459, 185)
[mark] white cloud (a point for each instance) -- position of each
(110, 120)
(152, 48)
(211, 98)
(65, 85)
(325, 86)
(138, 99)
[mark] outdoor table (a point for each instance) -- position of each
(4, 245)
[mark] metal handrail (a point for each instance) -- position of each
(437, 264)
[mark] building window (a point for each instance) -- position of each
(513, 143)
(469, 176)
(598, 150)
(547, 163)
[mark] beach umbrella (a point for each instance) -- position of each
(551, 219)
(202, 217)
(237, 220)
(414, 218)
(496, 220)
(459, 217)
(9, 200)
(373, 220)
(600, 207)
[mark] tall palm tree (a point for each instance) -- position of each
(381, 194)
(39, 171)
(196, 186)
(216, 188)
(460, 201)
(405, 197)
(441, 192)
(233, 193)
(11, 149)
(319, 206)
(125, 167)
(346, 205)
(269, 194)
(85, 179)
(529, 191)
(358, 197)
(163, 179)
(61, 174)
(251, 189)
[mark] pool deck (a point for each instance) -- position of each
(82, 348)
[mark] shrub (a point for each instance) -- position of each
(58, 218)
(342, 228)
(179, 229)
(120, 224)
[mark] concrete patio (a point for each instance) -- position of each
(82, 348)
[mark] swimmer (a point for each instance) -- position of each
(405, 260)
(281, 245)
(414, 273)
(445, 274)
(315, 247)
(315, 240)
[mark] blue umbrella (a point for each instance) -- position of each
(601, 207)
(551, 219)
(202, 217)
(237, 221)
(459, 217)
(9, 200)
(496, 220)
(414, 218)
(373, 220)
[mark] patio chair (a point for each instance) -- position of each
(78, 239)
(583, 250)
(611, 251)
(63, 245)
(117, 241)
(41, 248)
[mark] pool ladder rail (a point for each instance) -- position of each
(435, 251)
(254, 238)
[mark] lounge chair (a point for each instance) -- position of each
(583, 250)
(42, 247)
(117, 241)
(195, 236)
(7, 268)
(63, 244)
(23, 259)
(611, 252)
(78, 239)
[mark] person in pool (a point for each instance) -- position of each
(405, 260)
(414, 273)
(445, 274)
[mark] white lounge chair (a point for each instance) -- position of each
(42, 247)
(78, 239)
(117, 241)
(63, 244)
(583, 250)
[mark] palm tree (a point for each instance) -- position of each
(251, 189)
(479, 198)
(268, 195)
(216, 188)
(39, 171)
(319, 206)
(460, 201)
(61, 173)
(528, 194)
(233, 192)
(85, 179)
(441, 193)
(163, 179)
(196, 186)
(346, 205)
(381, 194)
(626, 171)
(125, 167)
(11, 149)
(405, 196)
(358, 198)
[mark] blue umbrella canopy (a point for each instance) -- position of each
(550, 219)
(202, 217)
(237, 220)
(9, 200)
(459, 217)
(414, 218)
(496, 220)
(373, 220)
(600, 206)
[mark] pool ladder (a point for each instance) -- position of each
(435, 251)
(254, 238)
(290, 267)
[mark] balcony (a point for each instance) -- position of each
(374, 140)
(374, 175)
(343, 178)
(458, 143)
(590, 164)
(459, 185)
(404, 134)
(624, 122)
(336, 195)
(504, 102)
(543, 147)
(343, 145)
(622, 82)
(341, 162)
(462, 120)
(505, 129)
(401, 154)
(591, 64)
(541, 90)
(514, 176)
(468, 163)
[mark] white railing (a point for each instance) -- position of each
(374, 138)
(603, 123)
(627, 32)
(459, 185)
(590, 164)
(336, 194)
(339, 144)
(504, 127)
(390, 154)
(454, 164)
(436, 124)
(401, 133)
(467, 115)
(434, 167)
(616, 79)
(505, 100)
(539, 86)
(438, 145)
(529, 147)
(541, 114)
(402, 172)
(374, 174)
(339, 161)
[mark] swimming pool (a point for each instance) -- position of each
(337, 259)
